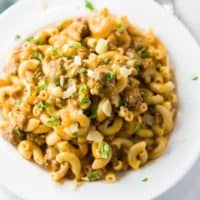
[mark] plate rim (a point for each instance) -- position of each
(189, 166)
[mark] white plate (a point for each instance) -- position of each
(31, 182)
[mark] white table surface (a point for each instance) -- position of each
(189, 187)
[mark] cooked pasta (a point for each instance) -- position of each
(89, 97)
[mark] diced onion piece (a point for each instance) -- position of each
(95, 136)
(69, 92)
(125, 71)
(91, 73)
(102, 46)
(65, 47)
(77, 60)
(107, 108)
(73, 128)
(55, 91)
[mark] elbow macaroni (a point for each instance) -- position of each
(89, 97)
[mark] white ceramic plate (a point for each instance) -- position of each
(31, 182)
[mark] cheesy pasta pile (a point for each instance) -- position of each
(89, 97)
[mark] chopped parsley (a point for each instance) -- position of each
(105, 150)
(93, 112)
(30, 39)
(145, 179)
(137, 65)
(121, 28)
(54, 121)
(89, 5)
(17, 37)
(144, 93)
(38, 55)
(195, 78)
(143, 53)
(84, 101)
(75, 134)
(43, 85)
(42, 105)
(110, 76)
(83, 89)
(106, 61)
(60, 53)
(75, 46)
(83, 71)
(93, 176)
(71, 57)
(39, 41)
(53, 51)
(124, 103)
(137, 127)
(19, 133)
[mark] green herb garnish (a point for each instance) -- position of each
(145, 179)
(84, 101)
(137, 128)
(19, 133)
(39, 41)
(83, 89)
(42, 105)
(110, 76)
(137, 65)
(30, 39)
(70, 57)
(75, 46)
(144, 93)
(77, 134)
(83, 71)
(124, 103)
(93, 176)
(93, 112)
(43, 85)
(38, 55)
(106, 61)
(143, 53)
(53, 51)
(89, 5)
(17, 37)
(54, 121)
(195, 78)
(105, 150)
(121, 28)
(82, 44)
(60, 53)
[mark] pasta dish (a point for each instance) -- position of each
(89, 97)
